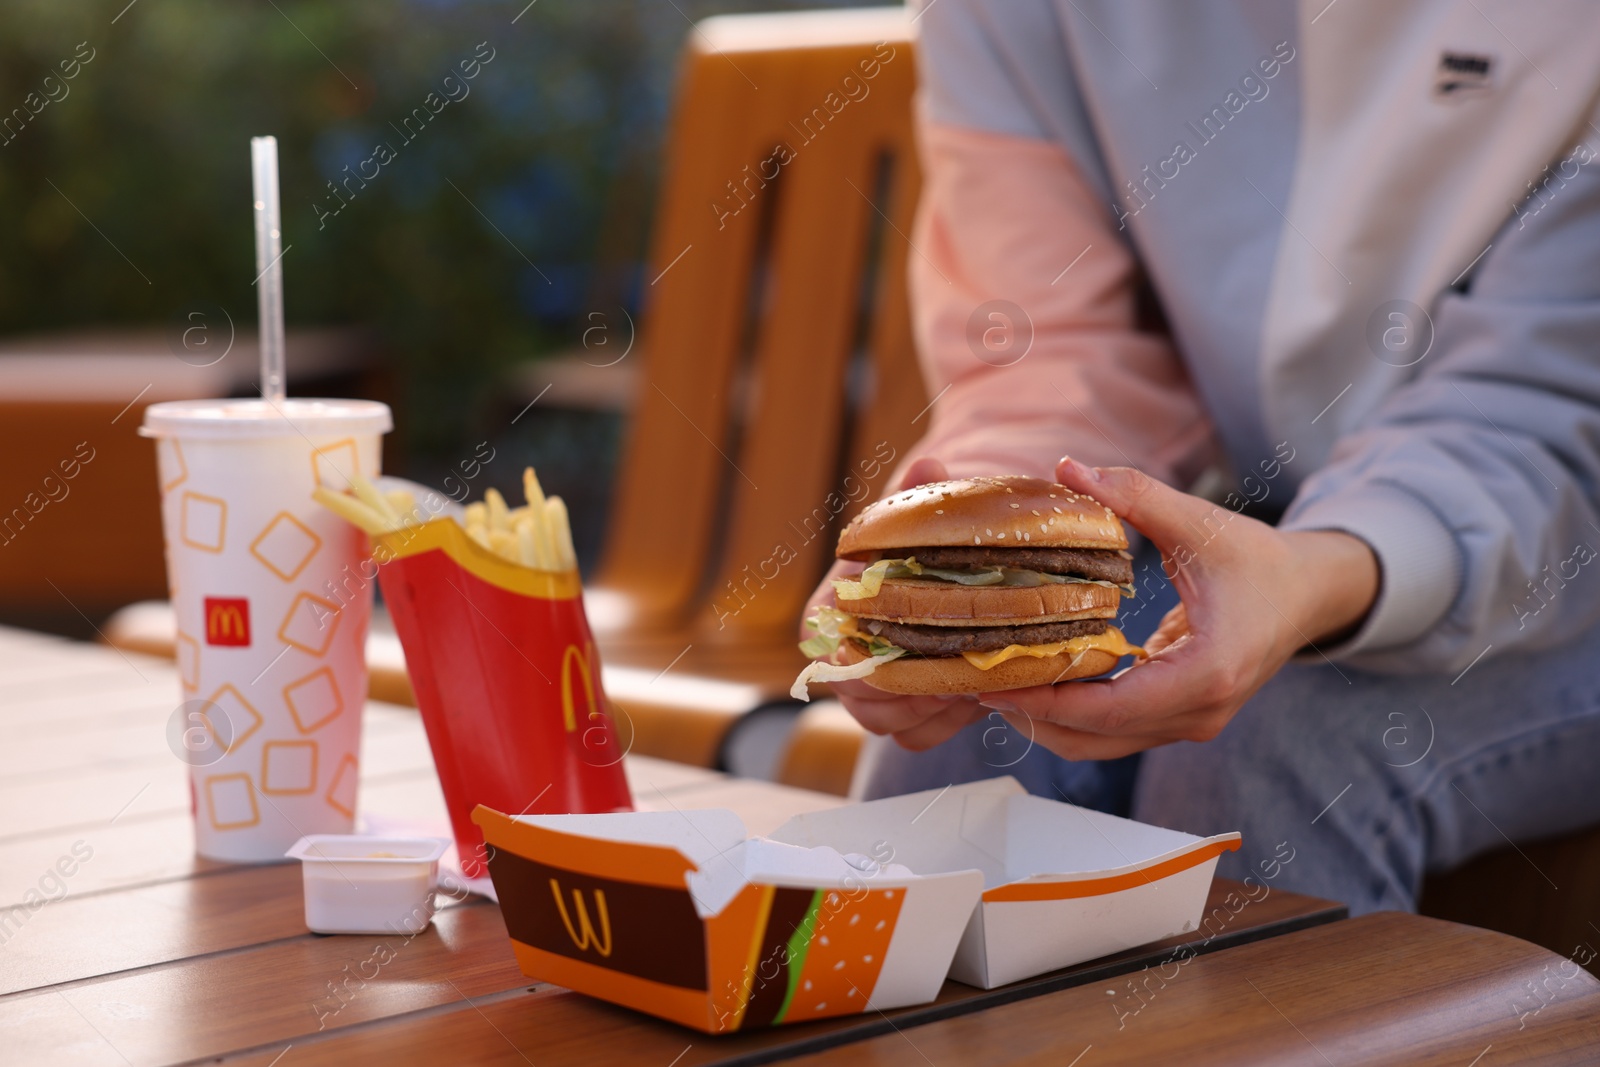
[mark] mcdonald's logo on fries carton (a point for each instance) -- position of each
(679, 915)
(506, 677)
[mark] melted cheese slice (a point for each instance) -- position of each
(1111, 641)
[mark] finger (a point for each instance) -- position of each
(1169, 518)
(940, 727)
(1174, 627)
(922, 471)
(888, 713)
(1183, 679)
(1077, 745)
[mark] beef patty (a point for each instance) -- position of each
(952, 640)
(1106, 564)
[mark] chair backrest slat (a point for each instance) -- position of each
(734, 479)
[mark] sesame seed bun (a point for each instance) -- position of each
(1013, 511)
(938, 675)
(926, 603)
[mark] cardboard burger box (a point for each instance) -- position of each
(1061, 884)
(862, 907)
(679, 915)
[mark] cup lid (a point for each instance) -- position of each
(226, 419)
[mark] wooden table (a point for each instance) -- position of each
(144, 954)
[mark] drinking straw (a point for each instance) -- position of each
(269, 265)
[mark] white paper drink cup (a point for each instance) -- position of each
(272, 594)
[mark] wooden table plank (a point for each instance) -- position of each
(34, 808)
(34, 664)
(1384, 988)
(75, 761)
(195, 1008)
(141, 848)
(102, 933)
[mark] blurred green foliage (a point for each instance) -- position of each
(517, 206)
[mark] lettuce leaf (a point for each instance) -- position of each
(832, 629)
(877, 646)
(870, 581)
(831, 626)
(823, 671)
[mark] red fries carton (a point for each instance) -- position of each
(506, 677)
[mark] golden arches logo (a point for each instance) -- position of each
(227, 621)
(583, 935)
(582, 658)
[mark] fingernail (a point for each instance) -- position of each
(996, 704)
(1082, 468)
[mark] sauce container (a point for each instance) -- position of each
(358, 884)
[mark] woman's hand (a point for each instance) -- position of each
(916, 722)
(1252, 596)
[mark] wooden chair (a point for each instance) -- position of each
(778, 378)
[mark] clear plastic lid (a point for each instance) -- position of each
(238, 419)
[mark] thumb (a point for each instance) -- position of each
(922, 471)
(1163, 514)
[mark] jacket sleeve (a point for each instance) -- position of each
(1025, 299)
(1477, 482)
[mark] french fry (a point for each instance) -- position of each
(527, 547)
(503, 543)
(549, 558)
(560, 533)
(368, 494)
(351, 510)
(499, 517)
(537, 534)
(533, 491)
(404, 505)
(545, 545)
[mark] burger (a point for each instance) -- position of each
(974, 586)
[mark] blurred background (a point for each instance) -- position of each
(494, 251)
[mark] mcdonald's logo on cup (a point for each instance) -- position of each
(228, 621)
